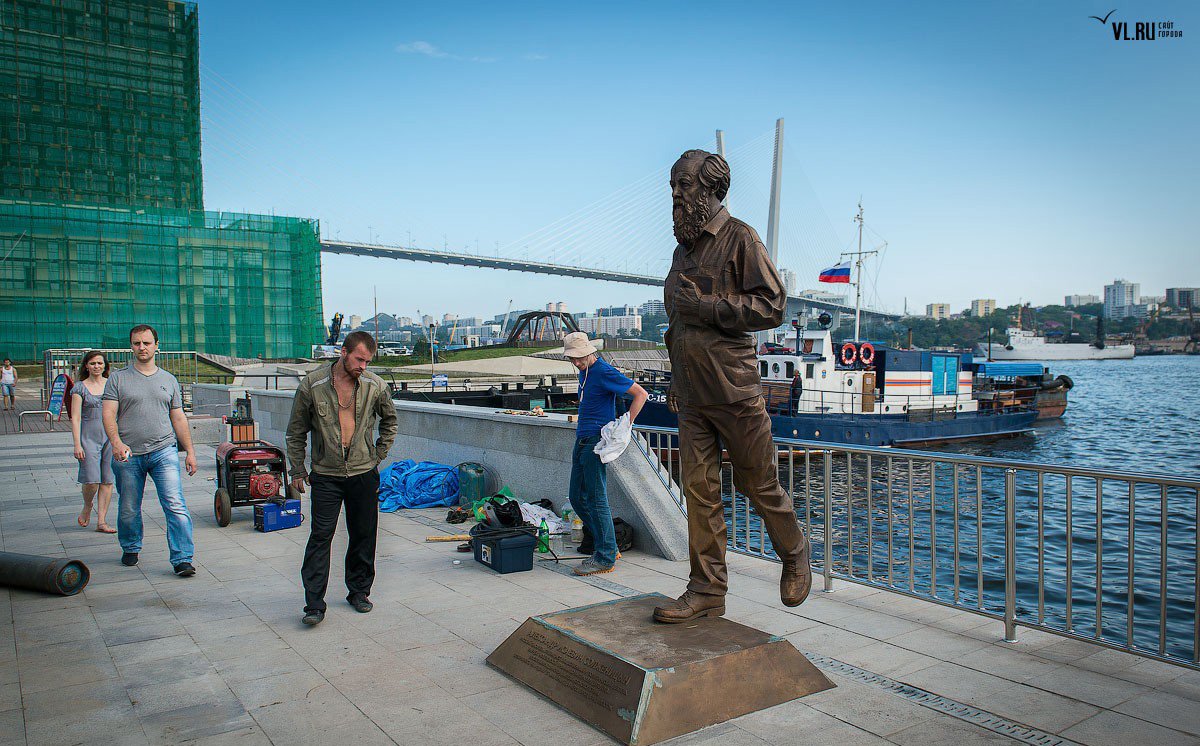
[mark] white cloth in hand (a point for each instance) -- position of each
(614, 439)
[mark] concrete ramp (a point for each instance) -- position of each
(532, 455)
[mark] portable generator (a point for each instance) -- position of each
(248, 473)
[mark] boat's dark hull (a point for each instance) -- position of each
(875, 429)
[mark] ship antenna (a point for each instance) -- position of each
(858, 255)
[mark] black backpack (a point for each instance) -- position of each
(624, 535)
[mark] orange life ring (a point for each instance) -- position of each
(866, 353)
(849, 353)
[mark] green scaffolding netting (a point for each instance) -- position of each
(217, 282)
(100, 102)
(101, 202)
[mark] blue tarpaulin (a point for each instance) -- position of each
(408, 484)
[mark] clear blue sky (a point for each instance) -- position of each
(1009, 150)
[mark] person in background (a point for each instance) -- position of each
(8, 383)
(91, 444)
(340, 405)
(599, 386)
(144, 421)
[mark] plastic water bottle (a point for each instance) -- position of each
(576, 529)
(543, 537)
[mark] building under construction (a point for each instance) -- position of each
(102, 223)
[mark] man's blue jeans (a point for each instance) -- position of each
(163, 467)
(589, 498)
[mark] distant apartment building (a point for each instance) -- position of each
(557, 307)
(789, 280)
(404, 320)
(426, 320)
(355, 321)
(1121, 299)
(1072, 301)
(983, 307)
(938, 311)
(1183, 298)
(511, 315)
(618, 311)
(462, 335)
(610, 326)
(653, 308)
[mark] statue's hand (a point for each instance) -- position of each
(672, 402)
(687, 298)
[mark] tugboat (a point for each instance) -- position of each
(860, 394)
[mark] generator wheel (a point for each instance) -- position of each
(222, 507)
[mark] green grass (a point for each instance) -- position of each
(183, 369)
(455, 356)
(26, 372)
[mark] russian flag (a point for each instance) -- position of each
(837, 273)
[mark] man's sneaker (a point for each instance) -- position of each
(185, 570)
(591, 567)
(361, 604)
(129, 559)
(313, 618)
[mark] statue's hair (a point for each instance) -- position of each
(714, 172)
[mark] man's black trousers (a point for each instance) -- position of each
(360, 496)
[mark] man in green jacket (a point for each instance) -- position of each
(340, 406)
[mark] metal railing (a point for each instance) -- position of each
(826, 401)
(185, 366)
(656, 447)
(35, 413)
(268, 381)
(780, 398)
(1110, 557)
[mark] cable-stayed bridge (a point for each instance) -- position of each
(523, 265)
(627, 236)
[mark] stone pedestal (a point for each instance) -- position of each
(642, 682)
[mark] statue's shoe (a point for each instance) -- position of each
(690, 606)
(796, 580)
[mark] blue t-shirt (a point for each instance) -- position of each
(599, 387)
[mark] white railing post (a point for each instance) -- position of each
(826, 541)
(1010, 555)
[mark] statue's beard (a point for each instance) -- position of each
(690, 219)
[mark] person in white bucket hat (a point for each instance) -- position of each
(599, 386)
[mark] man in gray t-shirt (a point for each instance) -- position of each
(144, 421)
(144, 404)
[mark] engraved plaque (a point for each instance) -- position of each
(643, 682)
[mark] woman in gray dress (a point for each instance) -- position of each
(91, 444)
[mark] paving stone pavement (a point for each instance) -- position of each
(142, 656)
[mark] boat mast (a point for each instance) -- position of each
(858, 255)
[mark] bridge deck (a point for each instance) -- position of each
(546, 268)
